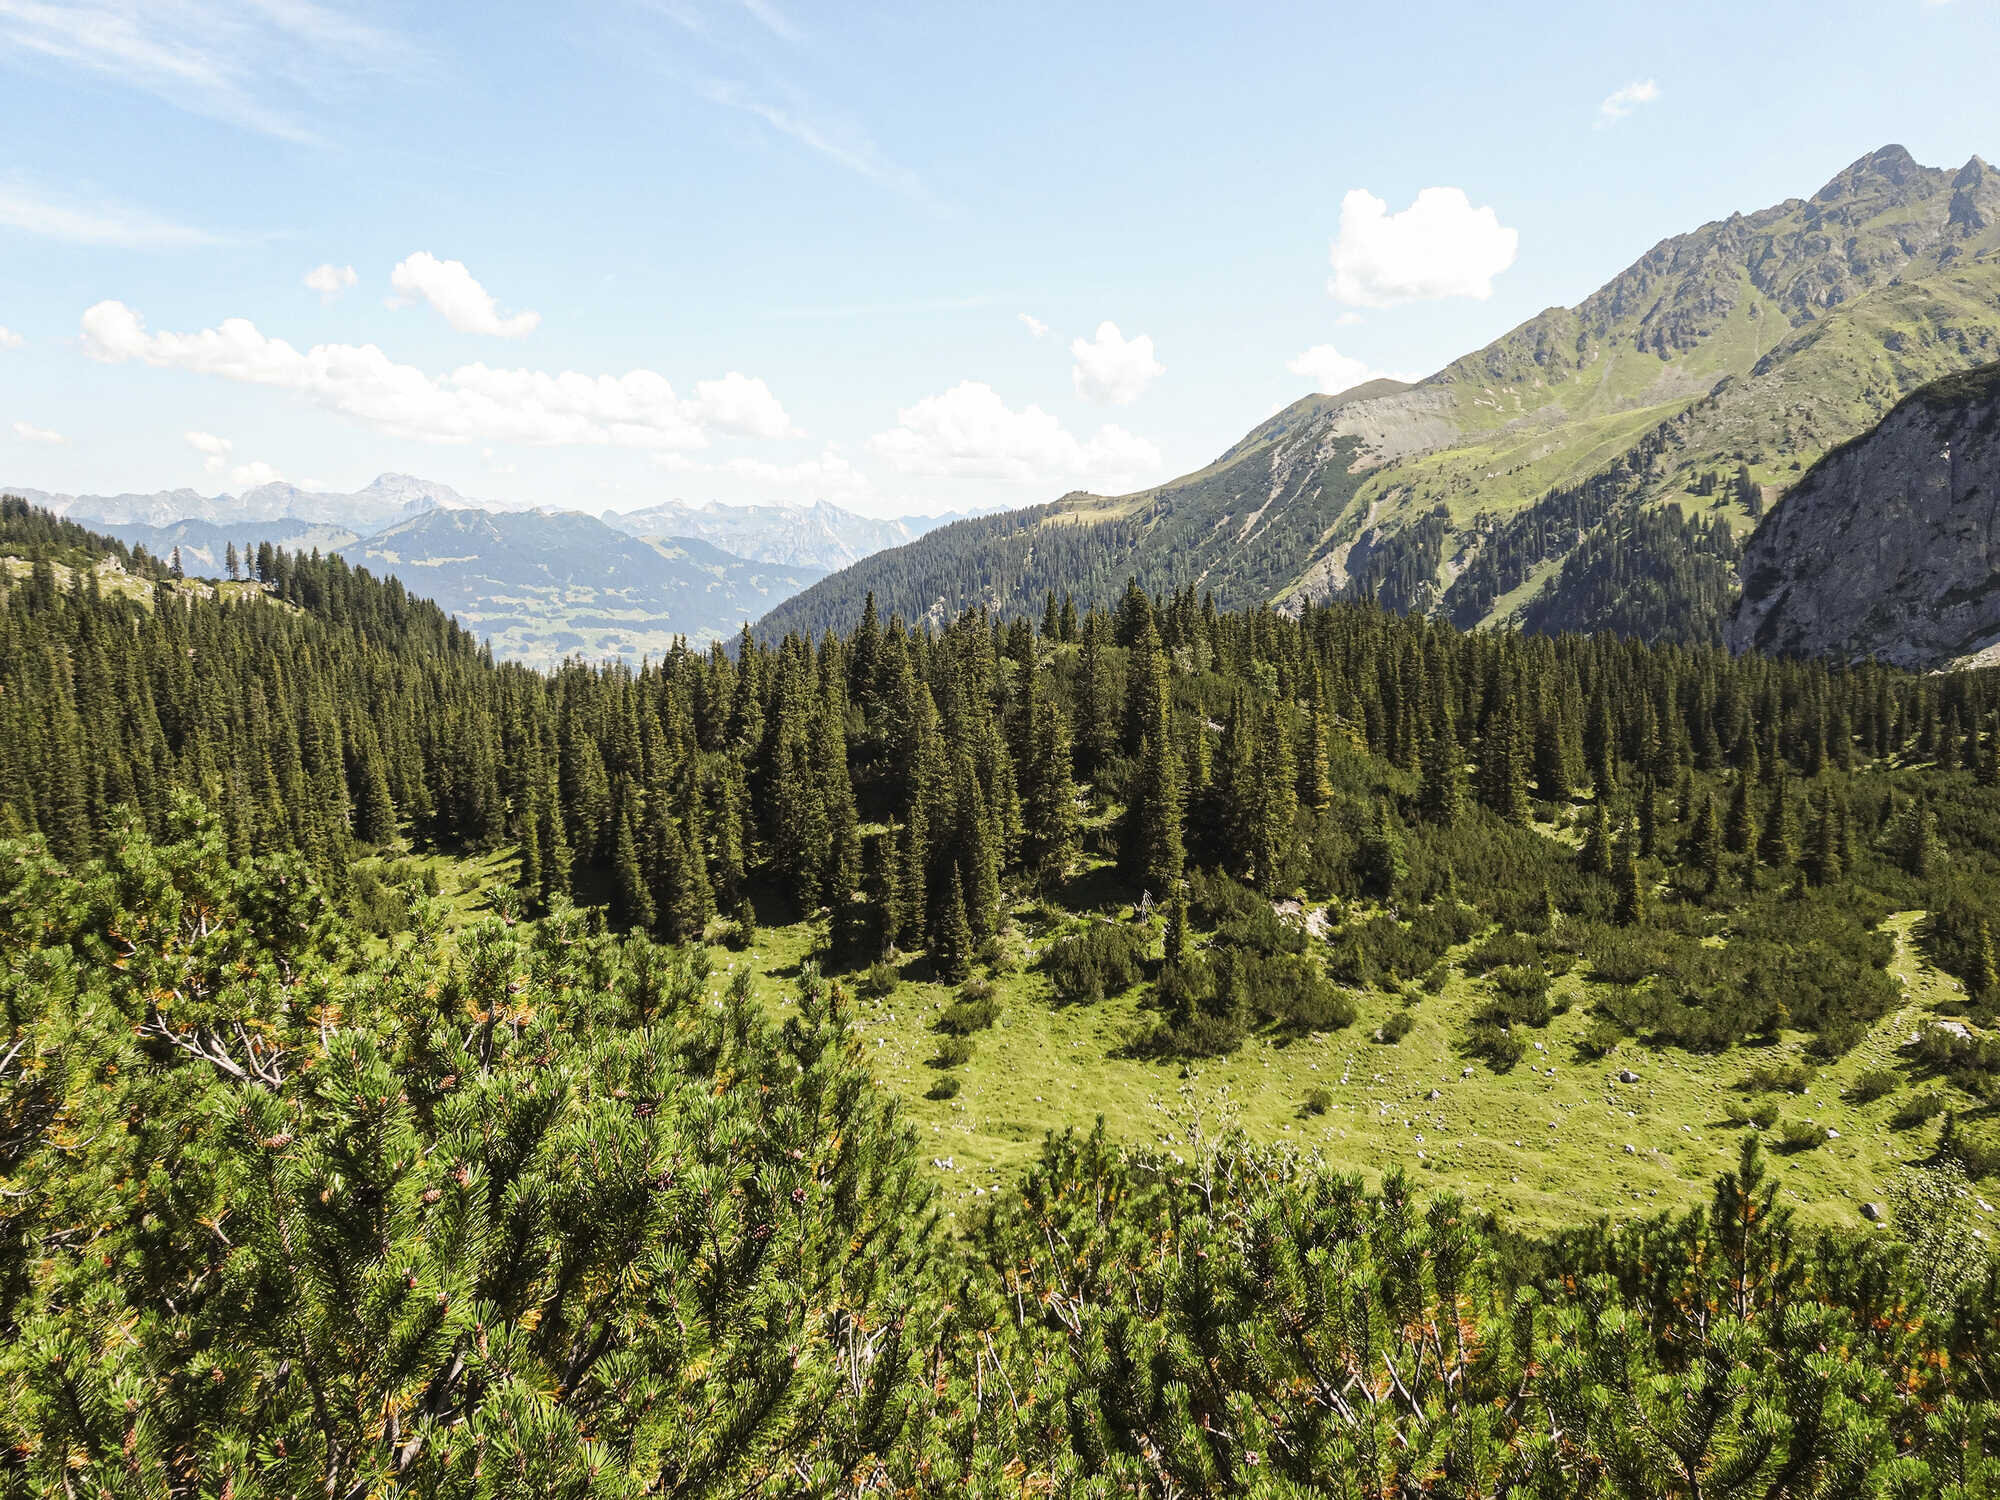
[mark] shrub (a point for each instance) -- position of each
(1777, 1078)
(953, 1052)
(1873, 1084)
(1801, 1135)
(1918, 1109)
(1763, 1114)
(1395, 1028)
(1601, 1037)
(1102, 959)
(966, 1015)
(945, 1087)
(1318, 1101)
(1500, 1049)
(880, 981)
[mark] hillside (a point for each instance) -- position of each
(1637, 433)
(1889, 548)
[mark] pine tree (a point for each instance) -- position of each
(1276, 803)
(1631, 890)
(1441, 794)
(1778, 845)
(1051, 831)
(632, 902)
(1598, 857)
(951, 937)
(1740, 831)
(1381, 865)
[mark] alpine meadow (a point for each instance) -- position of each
(845, 934)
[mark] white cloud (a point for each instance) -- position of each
(743, 405)
(1111, 369)
(474, 403)
(10, 339)
(451, 289)
(968, 432)
(249, 476)
(827, 477)
(1617, 106)
(214, 450)
(33, 210)
(1333, 372)
(1440, 246)
(330, 280)
(246, 62)
(28, 432)
(1035, 326)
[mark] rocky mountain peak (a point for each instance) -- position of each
(1890, 167)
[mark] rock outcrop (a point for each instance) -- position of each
(1889, 547)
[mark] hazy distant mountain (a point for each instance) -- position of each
(204, 545)
(542, 585)
(820, 535)
(389, 499)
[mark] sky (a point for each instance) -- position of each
(905, 258)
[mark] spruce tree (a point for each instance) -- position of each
(1380, 864)
(1441, 794)
(631, 901)
(1631, 890)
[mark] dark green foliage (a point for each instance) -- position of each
(1099, 959)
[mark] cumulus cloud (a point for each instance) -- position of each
(451, 289)
(474, 403)
(10, 339)
(968, 432)
(1440, 246)
(741, 404)
(214, 450)
(1111, 369)
(330, 280)
(1035, 326)
(1618, 105)
(828, 477)
(1333, 372)
(28, 432)
(250, 475)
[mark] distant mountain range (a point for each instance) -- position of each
(538, 584)
(1595, 468)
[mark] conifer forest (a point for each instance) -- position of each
(322, 1176)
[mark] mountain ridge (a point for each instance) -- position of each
(1743, 348)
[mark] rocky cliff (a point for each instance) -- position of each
(1890, 545)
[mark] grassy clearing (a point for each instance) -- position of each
(1542, 1145)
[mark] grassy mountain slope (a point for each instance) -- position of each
(1755, 342)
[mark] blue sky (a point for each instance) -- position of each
(765, 250)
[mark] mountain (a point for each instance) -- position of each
(204, 545)
(389, 498)
(539, 586)
(1889, 548)
(1634, 436)
(820, 535)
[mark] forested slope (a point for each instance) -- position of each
(293, 1199)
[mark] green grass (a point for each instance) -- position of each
(1540, 1146)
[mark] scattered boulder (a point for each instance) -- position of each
(1626, 1075)
(1872, 1212)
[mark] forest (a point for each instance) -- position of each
(307, 1185)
